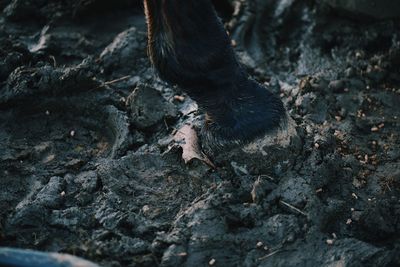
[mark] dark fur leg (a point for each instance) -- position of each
(189, 47)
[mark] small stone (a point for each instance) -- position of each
(72, 133)
(47, 112)
(316, 145)
(359, 55)
(374, 129)
(179, 98)
(330, 241)
(259, 244)
(354, 195)
(62, 194)
(349, 221)
(211, 262)
(146, 208)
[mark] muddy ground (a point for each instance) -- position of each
(87, 166)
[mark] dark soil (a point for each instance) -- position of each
(86, 166)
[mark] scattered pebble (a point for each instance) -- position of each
(349, 221)
(62, 193)
(179, 98)
(211, 262)
(374, 129)
(316, 145)
(145, 208)
(47, 112)
(354, 195)
(259, 244)
(330, 241)
(72, 133)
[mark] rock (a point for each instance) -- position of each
(50, 196)
(125, 52)
(147, 107)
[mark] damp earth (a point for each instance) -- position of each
(87, 166)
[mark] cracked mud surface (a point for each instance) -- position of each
(85, 132)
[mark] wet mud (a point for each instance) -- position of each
(88, 165)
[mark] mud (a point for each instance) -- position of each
(88, 165)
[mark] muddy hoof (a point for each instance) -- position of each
(274, 152)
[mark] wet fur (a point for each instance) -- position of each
(189, 47)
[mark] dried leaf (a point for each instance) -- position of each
(186, 137)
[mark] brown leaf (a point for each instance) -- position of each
(186, 137)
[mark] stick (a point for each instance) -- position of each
(113, 81)
(292, 207)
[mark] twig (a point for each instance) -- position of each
(114, 81)
(269, 255)
(293, 207)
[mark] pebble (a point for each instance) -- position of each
(330, 241)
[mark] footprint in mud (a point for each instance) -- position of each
(53, 138)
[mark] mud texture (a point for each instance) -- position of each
(88, 166)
